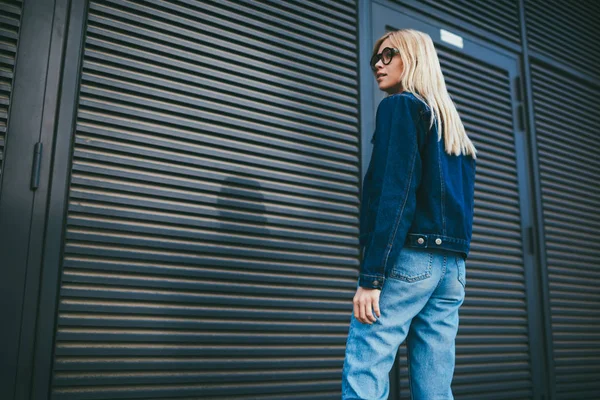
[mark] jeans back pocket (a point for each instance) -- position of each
(413, 265)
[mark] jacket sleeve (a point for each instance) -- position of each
(396, 177)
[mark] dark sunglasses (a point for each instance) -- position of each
(385, 56)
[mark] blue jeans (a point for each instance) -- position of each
(419, 302)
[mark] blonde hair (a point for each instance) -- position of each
(422, 76)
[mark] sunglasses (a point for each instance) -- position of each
(385, 56)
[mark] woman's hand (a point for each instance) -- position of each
(363, 300)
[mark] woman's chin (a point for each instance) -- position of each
(385, 88)
(389, 89)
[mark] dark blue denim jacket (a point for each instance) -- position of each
(414, 193)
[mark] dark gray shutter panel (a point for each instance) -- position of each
(495, 18)
(567, 126)
(10, 21)
(566, 31)
(492, 346)
(211, 244)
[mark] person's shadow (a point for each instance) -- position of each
(240, 229)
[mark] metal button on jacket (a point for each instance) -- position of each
(375, 282)
(438, 241)
(420, 240)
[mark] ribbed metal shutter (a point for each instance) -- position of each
(499, 18)
(565, 31)
(567, 126)
(211, 245)
(492, 346)
(10, 21)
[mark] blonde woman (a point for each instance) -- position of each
(415, 225)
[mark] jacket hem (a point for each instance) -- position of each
(432, 240)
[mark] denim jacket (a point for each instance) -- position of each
(414, 194)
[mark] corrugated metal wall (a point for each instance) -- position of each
(567, 124)
(10, 20)
(211, 237)
(566, 32)
(567, 127)
(211, 244)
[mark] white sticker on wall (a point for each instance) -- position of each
(451, 38)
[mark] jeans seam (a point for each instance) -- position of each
(442, 275)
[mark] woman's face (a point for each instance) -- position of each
(388, 76)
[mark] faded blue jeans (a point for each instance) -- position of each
(419, 302)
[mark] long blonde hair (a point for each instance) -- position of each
(422, 76)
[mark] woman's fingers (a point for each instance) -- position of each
(363, 310)
(365, 302)
(359, 306)
(376, 306)
(356, 307)
(368, 310)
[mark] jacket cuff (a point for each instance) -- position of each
(371, 281)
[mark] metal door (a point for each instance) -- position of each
(495, 354)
